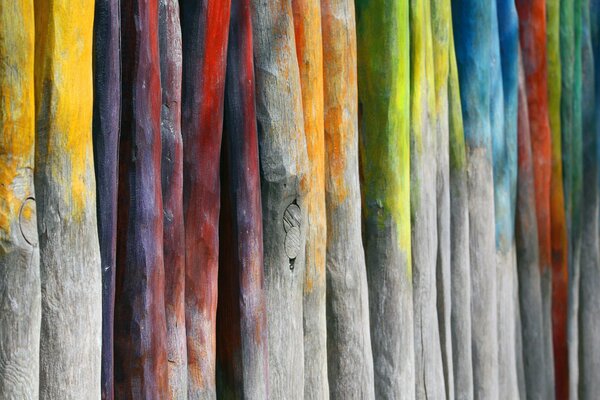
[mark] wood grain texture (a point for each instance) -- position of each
(172, 193)
(429, 377)
(473, 34)
(205, 27)
(532, 35)
(70, 342)
(309, 51)
(242, 351)
(349, 355)
(530, 295)
(141, 364)
(20, 297)
(284, 165)
(460, 317)
(384, 104)
(106, 133)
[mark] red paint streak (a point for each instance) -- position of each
(205, 32)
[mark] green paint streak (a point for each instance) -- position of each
(441, 21)
(383, 80)
(554, 79)
(577, 188)
(458, 154)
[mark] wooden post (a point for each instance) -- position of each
(19, 254)
(71, 281)
(172, 193)
(205, 27)
(384, 93)
(532, 32)
(106, 132)
(309, 51)
(350, 360)
(284, 165)
(242, 352)
(141, 366)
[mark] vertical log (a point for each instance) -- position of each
(383, 79)
(504, 143)
(350, 360)
(460, 317)
(242, 358)
(19, 254)
(472, 20)
(140, 325)
(172, 193)
(429, 376)
(309, 51)
(70, 342)
(532, 32)
(205, 27)
(106, 131)
(284, 165)
(589, 301)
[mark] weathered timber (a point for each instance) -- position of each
(284, 165)
(71, 281)
(384, 88)
(141, 366)
(20, 297)
(205, 27)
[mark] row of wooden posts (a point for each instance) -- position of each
(289, 199)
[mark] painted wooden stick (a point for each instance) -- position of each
(205, 27)
(589, 301)
(383, 79)
(172, 193)
(141, 366)
(532, 32)
(526, 236)
(106, 132)
(70, 342)
(309, 50)
(242, 352)
(459, 237)
(350, 359)
(441, 21)
(504, 143)
(429, 376)
(20, 297)
(284, 165)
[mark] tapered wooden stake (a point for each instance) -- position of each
(141, 366)
(71, 281)
(383, 87)
(284, 165)
(19, 254)
(242, 353)
(204, 26)
(350, 361)
(172, 192)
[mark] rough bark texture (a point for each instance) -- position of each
(384, 88)
(532, 31)
(429, 376)
(284, 165)
(473, 23)
(460, 317)
(20, 297)
(350, 360)
(141, 365)
(530, 295)
(70, 342)
(106, 132)
(307, 27)
(205, 27)
(172, 192)
(242, 353)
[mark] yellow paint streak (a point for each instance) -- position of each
(17, 134)
(63, 96)
(307, 26)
